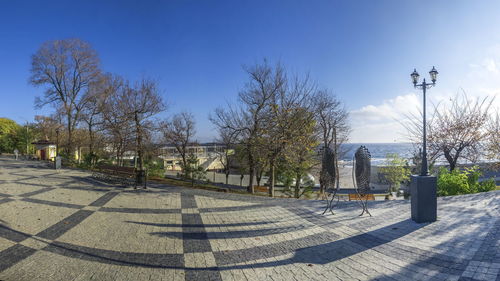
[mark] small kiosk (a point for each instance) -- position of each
(45, 150)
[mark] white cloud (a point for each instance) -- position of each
(491, 66)
(381, 123)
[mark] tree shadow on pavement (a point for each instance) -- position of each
(323, 253)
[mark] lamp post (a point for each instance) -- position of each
(57, 142)
(27, 141)
(57, 159)
(424, 86)
(423, 189)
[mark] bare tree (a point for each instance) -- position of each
(81, 139)
(249, 119)
(46, 126)
(139, 104)
(179, 132)
(332, 120)
(228, 139)
(117, 125)
(455, 131)
(299, 152)
(284, 125)
(493, 139)
(93, 112)
(66, 67)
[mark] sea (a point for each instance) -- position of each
(378, 151)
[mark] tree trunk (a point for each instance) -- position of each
(336, 158)
(139, 142)
(271, 179)
(337, 175)
(184, 163)
(451, 160)
(91, 145)
(321, 181)
(250, 181)
(453, 165)
(322, 172)
(117, 156)
(259, 176)
(227, 176)
(251, 169)
(297, 185)
(70, 153)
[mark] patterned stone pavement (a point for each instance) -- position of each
(63, 225)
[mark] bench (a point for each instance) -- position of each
(110, 173)
(355, 197)
(260, 188)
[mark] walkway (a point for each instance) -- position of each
(65, 226)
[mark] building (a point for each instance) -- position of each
(208, 155)
(45, 149)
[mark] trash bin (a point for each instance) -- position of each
(57, 162)
(140, 178)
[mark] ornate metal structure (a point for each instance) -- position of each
(361, 176)
(328, 167)
(328, 177)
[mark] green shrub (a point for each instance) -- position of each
(395, 171)
(462, 182)
(155, 168)
(452, 183)
(487, 185)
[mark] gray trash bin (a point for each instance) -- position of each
(58, 162)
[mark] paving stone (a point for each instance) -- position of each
(66, 226)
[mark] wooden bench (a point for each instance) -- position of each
(123, 175)
(355, 197)
(260, 188)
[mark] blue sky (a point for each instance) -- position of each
(363, 51)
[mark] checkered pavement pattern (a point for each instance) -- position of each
(64, 225)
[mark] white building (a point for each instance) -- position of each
(208, 155)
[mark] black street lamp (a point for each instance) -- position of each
(424, 86)
(423, 188)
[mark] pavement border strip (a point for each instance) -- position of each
(5, 200)
(140, 210)
(195, 240)
(13, 235)
(116, 257)
(28, 194)
(13, 255)
(64, 225)
(104, 199)
(234, 208)
(53, 203)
